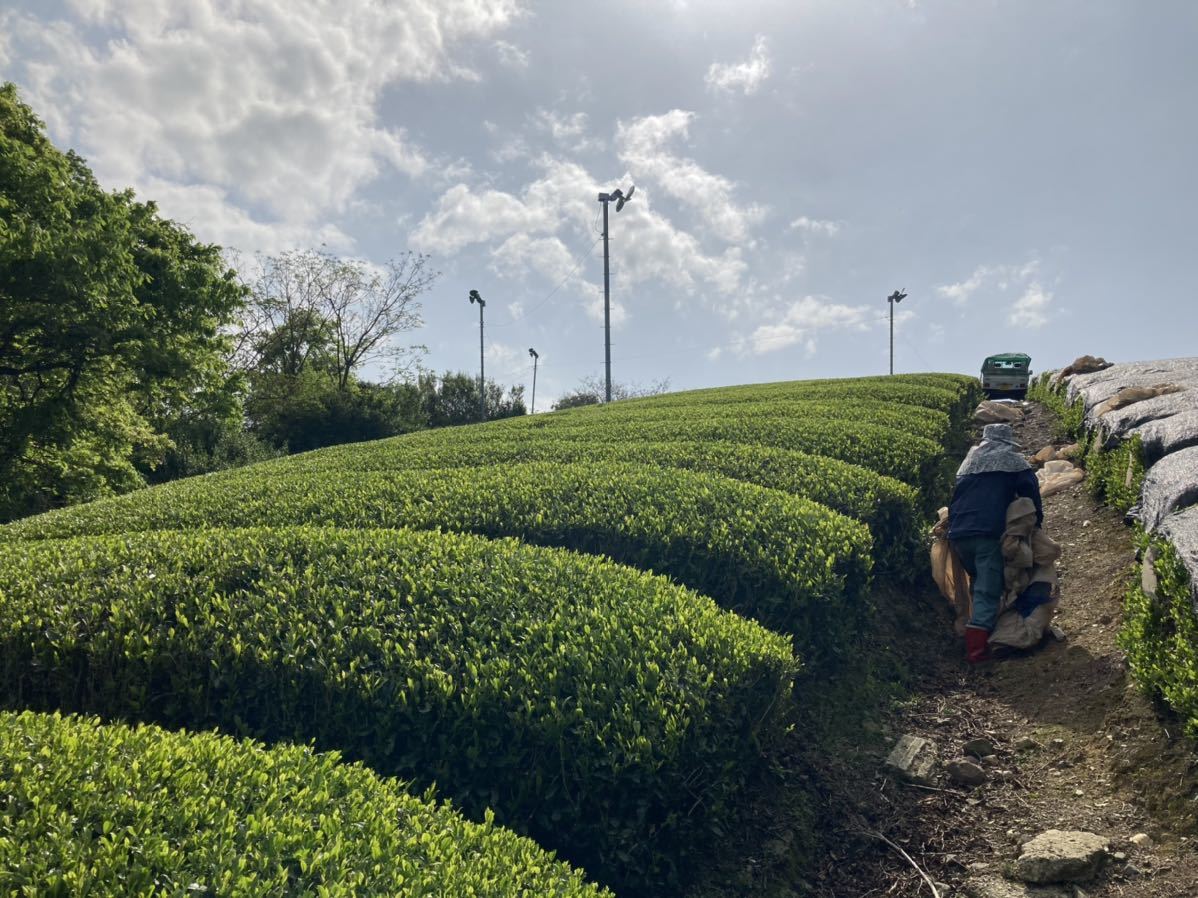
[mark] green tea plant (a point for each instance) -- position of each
(1160, 632)
(575, 697)
(112, 811)
(786, 561)
(887, 506)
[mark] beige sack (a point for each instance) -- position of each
(949, 574)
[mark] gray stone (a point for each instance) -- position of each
(966, 773)
(978, 748)
(996, 887)
(1027, 743)
(1181, 529)
(1162, 436)
(1061, 856)
(914, 759)
(1170, 485)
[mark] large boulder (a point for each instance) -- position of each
(1181, 529)
(1165, 435)
(1170, 485)
(1061, 856)
(993, 412)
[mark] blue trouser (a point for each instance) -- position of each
(982, 557)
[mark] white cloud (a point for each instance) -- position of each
(643, 147)
(559, 207)
(746, 76)
(962, 290)
(511, 55)
(269, 106)
(999, 277)
(815, 226)
(1031, 309)
(803, 321)
(568, 131)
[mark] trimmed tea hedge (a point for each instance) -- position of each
(1160, 632)
(923, 422)
(893, 453)
(575, 697)
(886, 506)
(110, 811)
(792, 564)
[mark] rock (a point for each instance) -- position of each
(966, 773)
(1061, 856)
(914, 759)
(1045, 455)
(978, 748)
(1027, 743)
(1086, 364)
(991, 412)
(996, 887)
(944, 889)
(1141, 840)
(1130, 395)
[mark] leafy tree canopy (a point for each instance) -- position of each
(110, 324)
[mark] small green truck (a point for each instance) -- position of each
(1006, 375)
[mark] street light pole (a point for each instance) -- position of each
(620, 199)
(482, 382)
(535, 358)
(894, 299)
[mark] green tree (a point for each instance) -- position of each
(452, 399)
(110, 324)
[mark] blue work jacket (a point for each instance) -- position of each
(979, 504)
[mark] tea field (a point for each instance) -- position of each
(540, 656)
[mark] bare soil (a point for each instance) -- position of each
(1106, 760)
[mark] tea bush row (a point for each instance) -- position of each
(575, 697)
(887, 506)
(1160, 632)
(111, 811)
(922, 422)
(790, 563)
(892, 453)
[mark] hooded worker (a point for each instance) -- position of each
(993, 475)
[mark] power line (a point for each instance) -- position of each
(587, 255)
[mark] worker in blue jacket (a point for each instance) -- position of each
(993, 475)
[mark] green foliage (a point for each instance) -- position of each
(1116, 475)
(788, 562)
(1071, 417)
(111, 811)
(924, 422)
(887, 506)
(1160, 632)
(309, 410)
(452, 399)
(110, 321)
(574, 697)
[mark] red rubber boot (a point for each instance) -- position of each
(977, 649)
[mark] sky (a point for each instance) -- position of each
(1023, 169)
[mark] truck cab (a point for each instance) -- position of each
(1006, 375)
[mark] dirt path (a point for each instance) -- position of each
(1104, 760)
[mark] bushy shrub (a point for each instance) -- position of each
(792, 564)
(1116, 475)
(111, 811)
(923, 422)
(887, 506)
(1160, 632)
(575, 697)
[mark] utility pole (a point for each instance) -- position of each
(482, 382)
(620, 199)
(536, 357)
(894, 299)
